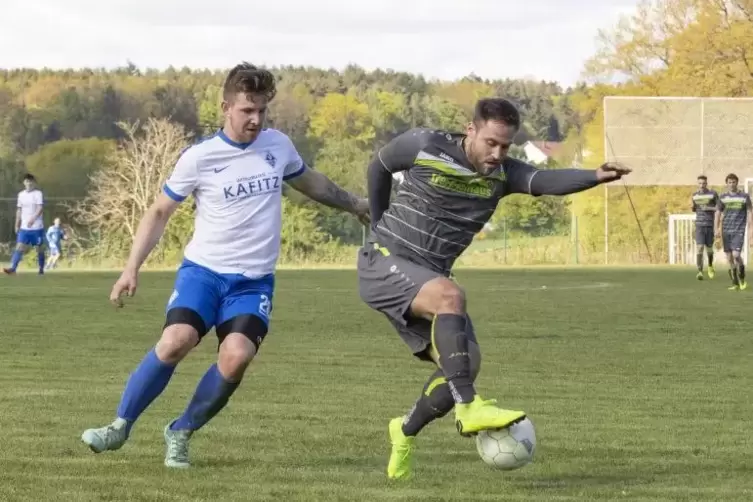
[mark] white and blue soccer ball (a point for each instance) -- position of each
(509, 448)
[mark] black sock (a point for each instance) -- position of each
(733, 275)
(699, 261)
(741, 271)
(451, 343)
(435, 402)
(710, 254)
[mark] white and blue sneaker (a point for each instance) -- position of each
(176, 455)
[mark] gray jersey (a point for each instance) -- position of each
(734, 207)
(442, 201)
(704, 207)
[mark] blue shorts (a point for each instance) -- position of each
(220, 297)
(31, 237)
(54, 248)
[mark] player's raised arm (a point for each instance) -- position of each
(524, 178)
(323, 190)
(397, 155)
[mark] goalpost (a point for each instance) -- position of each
(669, 141)
(681, 239)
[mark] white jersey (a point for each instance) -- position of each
(29, 202)
(238, 192)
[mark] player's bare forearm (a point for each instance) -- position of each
(562, 181)
(18, 219)
(150, 230)
(321, 189)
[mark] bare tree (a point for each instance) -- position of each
(130, 180)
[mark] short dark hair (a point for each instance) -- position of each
(731, 176)
(496, 109)
(249, 79)
(29, 177)
(703, 177)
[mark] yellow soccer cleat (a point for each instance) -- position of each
(710, 272)
(480, 415)
(401, 458)
(743, 285)
(734, 287)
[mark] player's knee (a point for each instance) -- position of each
(451, 300)
(235, 354)
(439, 296)
(474, 353)
(176, 342)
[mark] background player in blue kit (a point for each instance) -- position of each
(226, 280)
(55, 237)
(29, 224)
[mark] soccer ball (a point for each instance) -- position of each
(507, 449)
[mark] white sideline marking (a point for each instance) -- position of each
(595, 285)
(106, 290)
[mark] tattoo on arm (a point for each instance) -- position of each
(318, 187)
(336, 197)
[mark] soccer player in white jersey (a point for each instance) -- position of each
(226, 280)
(29, 224)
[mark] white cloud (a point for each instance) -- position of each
(545, 39)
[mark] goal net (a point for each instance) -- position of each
(669, 142)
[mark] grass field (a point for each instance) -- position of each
(639, 382)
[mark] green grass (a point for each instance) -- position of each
(638, 381)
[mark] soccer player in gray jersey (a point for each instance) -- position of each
(704, 207)
(451, 186)
(734, 213)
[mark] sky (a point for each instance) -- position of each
(542, 39)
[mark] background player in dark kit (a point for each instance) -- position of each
(734, 213)
(704, 207)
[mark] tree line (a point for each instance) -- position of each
(67, 126)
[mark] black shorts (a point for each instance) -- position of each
(733, 242)
(704, 236)
(388, 284)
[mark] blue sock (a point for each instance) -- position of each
(40, 260)
(212, 394)
(16, 259)
(146, 382)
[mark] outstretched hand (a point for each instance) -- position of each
(612, 171)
